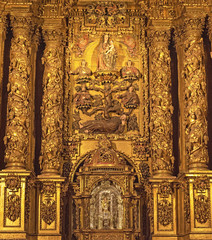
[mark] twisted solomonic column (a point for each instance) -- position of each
(194, 94)
(161, 109)
(52, 114)
(19, 97)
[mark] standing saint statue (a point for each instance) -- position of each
(107, 54)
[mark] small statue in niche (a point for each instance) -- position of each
(83, 72)
(130, 98)
(129, 72)
(107, 54)
(82, 99)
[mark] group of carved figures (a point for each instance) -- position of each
(112, 111)
(106, 101)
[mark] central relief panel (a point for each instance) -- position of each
(106, 83)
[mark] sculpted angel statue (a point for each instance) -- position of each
(107, 54)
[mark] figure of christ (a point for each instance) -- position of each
(107, 55)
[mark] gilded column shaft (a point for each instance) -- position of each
(52, 115)
(161, 103)
(2, 39)
(18, 108)
(195, 96)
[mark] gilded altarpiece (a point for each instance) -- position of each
(106, 137)
(106, 85)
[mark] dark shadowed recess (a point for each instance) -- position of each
(38, 103)
(175, 103)
(208, 67)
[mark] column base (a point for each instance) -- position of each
(13, 208)
(164, 238)
(48, 237)
(48, 198)
(12, 236)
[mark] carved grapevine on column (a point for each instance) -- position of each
(195, 94)
(161, 102)
(51, 109)
(18, 111)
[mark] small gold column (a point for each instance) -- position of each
(52, 115)
(194, 95)
(19, 96)
(161, 103)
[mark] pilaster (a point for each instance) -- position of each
(164, 205)
(49, 204)
(195, 199)
(12, 203)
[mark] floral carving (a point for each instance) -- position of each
(165, 212)
(201, 183)
(13, 207)
(165, 189)
(202, 208)
(13, 182)
(48, 211)
(48, 203)
(48, 188)
(161, 102)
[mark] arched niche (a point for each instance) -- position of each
(106, 195)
